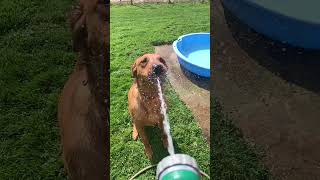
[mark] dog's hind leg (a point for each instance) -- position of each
(135, 133)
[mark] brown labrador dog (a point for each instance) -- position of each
(143, 97)
(82, 109)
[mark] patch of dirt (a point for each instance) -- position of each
(193, 90)
(272, 93)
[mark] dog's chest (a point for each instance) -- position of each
(153, 112)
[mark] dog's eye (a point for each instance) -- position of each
(162, 61)
(144, 62)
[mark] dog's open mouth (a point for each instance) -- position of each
(158, 71)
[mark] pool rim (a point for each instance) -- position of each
(183, 57)
(303, 33)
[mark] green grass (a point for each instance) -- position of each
(231, 156)
(134, 31)
(35, 60)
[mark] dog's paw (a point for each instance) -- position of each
(135, 135)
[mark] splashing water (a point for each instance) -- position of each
(166, 125)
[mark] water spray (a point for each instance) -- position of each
(174, 166)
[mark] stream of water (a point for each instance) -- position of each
(166, 124)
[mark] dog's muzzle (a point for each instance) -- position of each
(158, 69)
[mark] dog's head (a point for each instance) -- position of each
(89, 26)
(149, 67)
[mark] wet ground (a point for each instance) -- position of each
(272, 92)
(192, 90)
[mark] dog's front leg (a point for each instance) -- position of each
(135, 133)
(145, 141)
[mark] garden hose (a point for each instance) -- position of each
(177, 166)
(152, 166)
(204, 174)
(142, 171)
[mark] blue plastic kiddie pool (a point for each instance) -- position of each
(193, 51)
(296, 22)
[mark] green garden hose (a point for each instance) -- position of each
(142, 171)
(154, 165)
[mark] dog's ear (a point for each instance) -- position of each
(163, 62)
(77, 21)
(134, 70)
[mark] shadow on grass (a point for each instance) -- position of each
(159, 151)
(295, 65)
(144, 6)
(231, 156)
(161, 43)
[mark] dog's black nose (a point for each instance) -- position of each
(157, 69)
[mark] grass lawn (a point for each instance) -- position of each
(35, 61)
(134, 31)
(231, 156)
